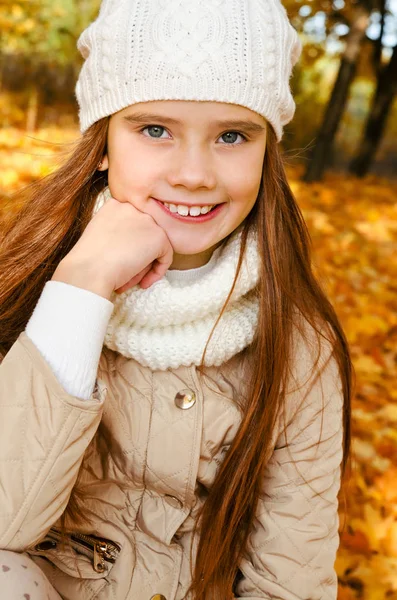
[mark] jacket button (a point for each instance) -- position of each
(174, 501)
(185, 399)
(158, 597)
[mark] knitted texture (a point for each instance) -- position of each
(168, 324)
(234, 51)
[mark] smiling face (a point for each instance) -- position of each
(197, 177)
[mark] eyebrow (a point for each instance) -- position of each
(248, 126)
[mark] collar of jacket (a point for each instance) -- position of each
(168, 325)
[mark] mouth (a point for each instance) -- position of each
(198, 213)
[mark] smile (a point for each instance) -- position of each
(184, 211)
(193, 214)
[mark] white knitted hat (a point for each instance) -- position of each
(236, 51)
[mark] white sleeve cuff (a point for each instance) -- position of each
(68, 326)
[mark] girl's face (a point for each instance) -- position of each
(173, 158)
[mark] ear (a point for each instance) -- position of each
(104, 164)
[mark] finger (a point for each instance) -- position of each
(149, 280)
(159, 267)
(156, 273)
(134, 280)
(164, 261)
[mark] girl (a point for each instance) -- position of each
(175, 387)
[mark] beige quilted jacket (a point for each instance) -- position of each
(150, 444)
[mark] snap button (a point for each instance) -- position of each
(158, 597)
(174, 501)
(185, 399)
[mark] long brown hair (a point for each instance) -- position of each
(55, 213)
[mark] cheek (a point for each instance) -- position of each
(255, 177)
(130, 175)
(243, 177)
(244, 188)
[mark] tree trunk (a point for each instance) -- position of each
(375, 126)
(32, 111)
(377, 56)
(1, 71)
(323, 145)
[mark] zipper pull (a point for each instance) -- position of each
(100, 550)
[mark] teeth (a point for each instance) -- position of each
(194, 211)
(184, 211)
(205, 209)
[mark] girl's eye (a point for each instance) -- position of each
(156, 130)
(230, 135)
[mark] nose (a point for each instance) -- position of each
(192, 167)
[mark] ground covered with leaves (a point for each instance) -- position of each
(353, 224)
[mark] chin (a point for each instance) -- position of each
(185, 250)
(184, 244)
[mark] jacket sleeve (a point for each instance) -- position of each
(44, 434)
(292, 546)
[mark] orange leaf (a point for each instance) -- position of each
(346, 593)
(356, 542)
(387, 485)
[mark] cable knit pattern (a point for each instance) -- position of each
(233, 51)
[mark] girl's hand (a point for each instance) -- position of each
(120, 247)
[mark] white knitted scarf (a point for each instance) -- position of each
(169, 324)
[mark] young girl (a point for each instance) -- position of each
(175, 386)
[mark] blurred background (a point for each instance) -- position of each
(341, 159)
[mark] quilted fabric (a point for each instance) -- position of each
(147, 466)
